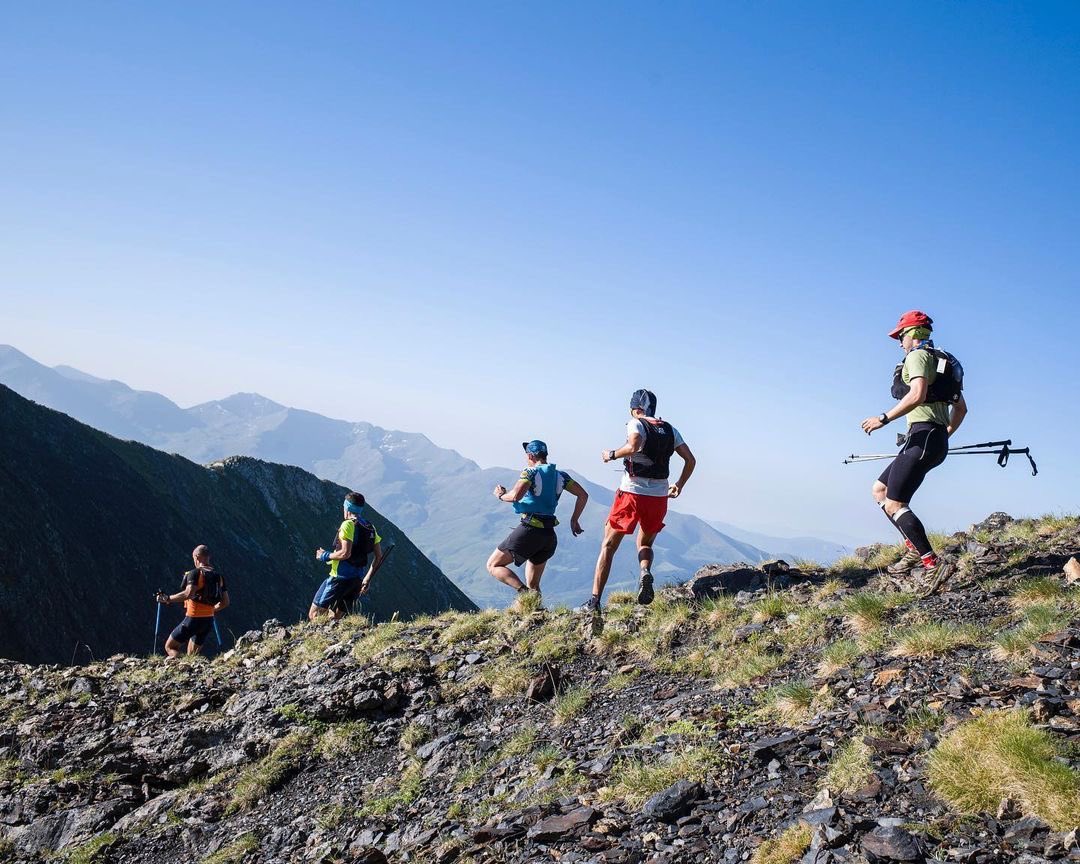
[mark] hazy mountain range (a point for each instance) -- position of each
(91, 526)
(439, 497)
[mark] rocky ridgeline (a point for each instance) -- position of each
(808, 715)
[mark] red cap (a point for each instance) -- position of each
(914, 318)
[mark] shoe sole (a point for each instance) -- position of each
(646, 594)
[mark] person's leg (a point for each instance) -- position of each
(200, 632)
(325, 598)
(498, 566)
(645, 541)
(533, 572)
(177, 641)
(608, 546)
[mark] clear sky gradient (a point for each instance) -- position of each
(491, 222)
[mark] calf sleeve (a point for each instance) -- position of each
(912, 529)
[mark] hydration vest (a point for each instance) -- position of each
(658, 445)
(542, 497)
(209, 587)
(362, 546)
(947, 385)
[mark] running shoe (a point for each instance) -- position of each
(645, 592)
(937, 576)
(905, 565)
(596, 618)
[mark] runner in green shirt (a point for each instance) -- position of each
(930, 423)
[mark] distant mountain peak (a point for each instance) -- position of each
(245, 404)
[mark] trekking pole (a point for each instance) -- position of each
(157, 620)
(217, 632)
(382, 560)
(1003, 451)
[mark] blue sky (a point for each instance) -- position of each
(490, 222)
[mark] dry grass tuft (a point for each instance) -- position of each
(638, 781)
(849, 768)
(933, 639)
(839, 655)
(785, 849)
(1001, 755)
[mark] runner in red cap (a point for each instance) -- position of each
(931, 397)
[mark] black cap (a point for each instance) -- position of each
(645, 400)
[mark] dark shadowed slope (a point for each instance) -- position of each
(91, 525)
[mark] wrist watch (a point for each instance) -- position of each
(884, 418)
(611, 455)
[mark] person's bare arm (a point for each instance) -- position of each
(577, 490)
(178, 597)
(515, 494)
(223, 603)
(689, 463)
(338, 554)
(914, 398)
(371, 568)
(957, 414)
(632, 446)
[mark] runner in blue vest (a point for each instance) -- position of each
(535, 497)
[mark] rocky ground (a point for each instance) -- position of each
(816, 716)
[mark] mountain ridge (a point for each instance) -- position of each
(103, 523)
(439, 495)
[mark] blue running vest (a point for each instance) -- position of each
(543, 497)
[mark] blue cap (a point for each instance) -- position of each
(535, 447)
(645, 400)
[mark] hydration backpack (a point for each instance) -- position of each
(209, 588)
(947, 386)
(363, 544)
(658, 445)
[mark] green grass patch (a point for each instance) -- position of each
(791, 703)
(570, 703)
(262, 778)
(770, 607)
(377, 639)
(91, 850)
(1001, 755)
(470, 627)
(1043, 589)
(1014, 645)
(407, 790)
(841, 654)
(235, 852)
(934, 638)
(413, 736)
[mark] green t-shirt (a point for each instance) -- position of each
(920, 363)
(347, 531)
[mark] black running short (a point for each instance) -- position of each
(528, 543)
(926, 447)
(193, 628)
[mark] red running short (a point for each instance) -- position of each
(629, 509)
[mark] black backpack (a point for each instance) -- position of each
(209, 587)
(363, 543)
(947, 386)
